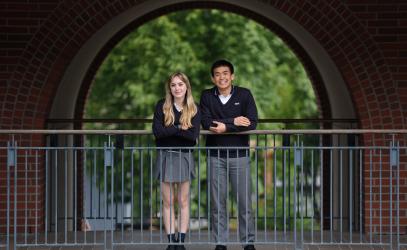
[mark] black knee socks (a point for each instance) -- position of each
(181, 237)
(171, 238)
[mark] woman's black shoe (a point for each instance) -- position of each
(220, 247)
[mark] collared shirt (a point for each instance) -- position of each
(222, 98)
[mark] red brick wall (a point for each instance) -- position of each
(366, 39)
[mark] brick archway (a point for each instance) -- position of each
(357, 56)
(356, 40)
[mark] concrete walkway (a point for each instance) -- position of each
(155, 241)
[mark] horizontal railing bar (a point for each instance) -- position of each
(149, 120)
(232, 243)
(59, 244)
(208, 148)
(207, 132)
(346, 243)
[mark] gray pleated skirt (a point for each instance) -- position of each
(174, 166)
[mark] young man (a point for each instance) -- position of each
(228, 108)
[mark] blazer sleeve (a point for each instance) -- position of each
(193, 132)
(250, 112)
(206, 117)
(159, 130)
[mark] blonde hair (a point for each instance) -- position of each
(189, 108)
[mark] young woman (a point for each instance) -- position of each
(176, 124)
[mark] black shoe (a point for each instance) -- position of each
(220, 247)
(180, 247)
(171, 247)
(249, 247)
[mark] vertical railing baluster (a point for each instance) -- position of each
(321, 186)
(302, 193)
(256, 160)
(370, 196)
(265, 188)
(237, 200)
(380, 194)
(36, 197)
(93, 211)
(340, 196)
(391, 196)
(208, 171)
(46, 196)
(112, 195)
(142, 151)
(84, 219)
(398, 195)
(151, 192)
(26, 198)
(76, 200)
(350, 194)
(331, 196)
(312, 196)
(15, 194)
(66, 194)
(275, 186)
(296, 165)
(132, 195)
(284, 203)
(160, 198)
(56, 197)
(360, 196)
(199, 193)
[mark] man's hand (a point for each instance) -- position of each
(241, 121)
(220, 128)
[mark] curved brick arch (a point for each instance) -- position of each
(312, 71)
(357, 57)
(355, 53)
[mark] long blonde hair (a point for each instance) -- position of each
(189, 108)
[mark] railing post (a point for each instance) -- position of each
(11, 162)
(11, 153)
(395, 164)
(297, 164)
(108, 163)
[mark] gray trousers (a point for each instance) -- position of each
(237, 171)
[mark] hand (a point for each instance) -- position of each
(241, 121)
(220, 128)
(85, 226)
(184, 127)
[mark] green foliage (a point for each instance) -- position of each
(132, 78)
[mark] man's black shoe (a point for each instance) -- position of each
(220, 247)
(249, 247)
(180, 247)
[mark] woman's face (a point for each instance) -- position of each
(178, 88)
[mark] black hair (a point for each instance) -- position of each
(220, 63)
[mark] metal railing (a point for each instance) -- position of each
(309, 187)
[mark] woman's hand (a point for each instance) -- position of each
(184, 127)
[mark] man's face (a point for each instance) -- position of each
(222, 78)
